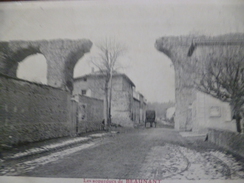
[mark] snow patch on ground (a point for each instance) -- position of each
(30, 165)
(47, 147)
(202, 166)
(162, 162)
(175, 162)
(236, 168)
(98, 135)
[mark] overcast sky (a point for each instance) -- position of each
(137, 24)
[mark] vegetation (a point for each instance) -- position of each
(107, 62)
(223, 78)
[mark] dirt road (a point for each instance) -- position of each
(152, 153)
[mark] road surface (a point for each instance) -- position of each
(151, 153)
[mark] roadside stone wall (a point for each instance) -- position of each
(89, 114)
(231, 141)
(32, 112)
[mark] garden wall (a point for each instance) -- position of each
(89, 113)
(32, 112)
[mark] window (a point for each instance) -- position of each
(85, 79)
(83, 92)
(215, 111)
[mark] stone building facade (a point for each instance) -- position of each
(143, 107)
(209, 112)
(136, 108)
(122, 94)
(139, 107)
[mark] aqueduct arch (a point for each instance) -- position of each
(181, 51)
(61, 57)
(36, 65)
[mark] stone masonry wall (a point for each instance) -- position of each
(121, 108)
(32, 112)
(177, 49)
(207, 117)
(61, 56)
(122, 104)
(122, 97)
(136, 111)
(90, 114)
(231, 141)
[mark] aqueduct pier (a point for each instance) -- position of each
(186, 51)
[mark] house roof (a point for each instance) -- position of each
(98, 73)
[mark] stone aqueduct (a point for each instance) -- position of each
(193, 50)
(62, 55)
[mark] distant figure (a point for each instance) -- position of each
(103, 125)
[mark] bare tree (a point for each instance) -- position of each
(107, 62)
(223, 78)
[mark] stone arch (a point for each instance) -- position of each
(19, 56)
(61, 56)
(14, 52)
(181, 51)
(36, 65)
(70, 64)
(22, 53)
(11, 57)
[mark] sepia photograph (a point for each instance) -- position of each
(112, 91)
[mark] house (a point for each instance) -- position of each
(139, 107)
(209, 112)
(170, 112)
(136, 107)
(143, 107)
(122, 103)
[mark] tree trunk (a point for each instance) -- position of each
(238, 124)
(106, 117)
(236, 115)
(110, 101)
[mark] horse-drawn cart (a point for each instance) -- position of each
(150, 118)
